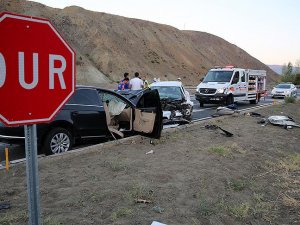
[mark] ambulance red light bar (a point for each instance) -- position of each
(229, 66)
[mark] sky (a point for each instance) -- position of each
(269, 30)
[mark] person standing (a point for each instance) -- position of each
(136, 83)
(124, 84)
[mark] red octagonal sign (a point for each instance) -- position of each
(37, 70)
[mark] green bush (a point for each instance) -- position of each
(287, 78)
(290, 100)
(297, 79)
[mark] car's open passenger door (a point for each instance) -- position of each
(148, 114)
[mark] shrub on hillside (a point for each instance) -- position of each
(287, 78)
(297, 79)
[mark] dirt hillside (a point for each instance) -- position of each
(109, 45)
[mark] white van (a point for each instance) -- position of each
(228, 84)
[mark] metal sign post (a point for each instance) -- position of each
(32, 174)
(53, 71)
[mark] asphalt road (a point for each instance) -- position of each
(209, 109)
(18, 152)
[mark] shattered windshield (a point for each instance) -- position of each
(169, 92)
(218, 76)
(284, 86)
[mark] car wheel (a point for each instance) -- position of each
(57, 141)
(255, 101)
(201, 104)
(229, 100)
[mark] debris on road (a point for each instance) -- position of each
(215, 127)
(284, 121)
(225, 110)
(253, 114)
(4, 206)
(150, 152)
(139, 200)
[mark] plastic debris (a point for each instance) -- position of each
(150, 152)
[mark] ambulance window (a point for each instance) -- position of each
(236, 78)
(243, 77)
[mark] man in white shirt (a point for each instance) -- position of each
(136, 83)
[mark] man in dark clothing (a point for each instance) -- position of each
(126, 84)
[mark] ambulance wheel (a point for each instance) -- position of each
(255, 101)
(229, 100)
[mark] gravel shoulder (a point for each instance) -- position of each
(189, 176)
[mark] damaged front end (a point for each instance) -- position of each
(176, 111)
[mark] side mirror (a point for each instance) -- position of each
(201, 79)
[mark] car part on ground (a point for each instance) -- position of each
(253, 114)
(222, 111)
(282, 121)
(215, 127)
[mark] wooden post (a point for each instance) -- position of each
(6, 159)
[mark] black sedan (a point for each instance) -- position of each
(93, 114)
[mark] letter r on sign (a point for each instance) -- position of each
(59, 71)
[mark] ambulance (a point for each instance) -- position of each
(227, 85)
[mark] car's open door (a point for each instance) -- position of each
(148, 114)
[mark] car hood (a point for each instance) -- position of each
(281, 89)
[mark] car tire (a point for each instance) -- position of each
(58, 140)
(201, 104)
(254, 101)
(229, 100)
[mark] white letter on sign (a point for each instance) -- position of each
(35, 71)
(2, 70)
(58, 71)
